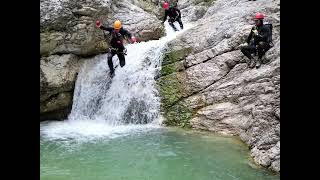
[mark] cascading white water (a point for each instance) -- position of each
(104, 106)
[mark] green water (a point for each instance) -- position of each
(159, 154)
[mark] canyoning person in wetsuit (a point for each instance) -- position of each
(261, 35)
(117, 34)
(174, 15)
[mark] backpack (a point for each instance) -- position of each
(269, 39)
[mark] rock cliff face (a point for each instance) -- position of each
(57, 77)
(68, 33)
(206, 84)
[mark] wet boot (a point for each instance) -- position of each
(174, 28)
(258, 64)
(248, 62)
(252, 63)
(111, 73)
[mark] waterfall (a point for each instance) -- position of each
(128, 100)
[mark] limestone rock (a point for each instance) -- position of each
(219, 92)
(57, 79)
(69, 26)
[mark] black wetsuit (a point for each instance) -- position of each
(117, 46)
(174, 15)
(260, 42)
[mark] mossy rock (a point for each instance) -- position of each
(178, 115)
(172, 83)
(171, 68)
(171, 89)
(175, 56)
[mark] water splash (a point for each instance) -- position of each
(103, 106)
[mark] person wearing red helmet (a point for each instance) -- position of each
(260, 44)
(174, 15)
(117, 34)
(165, 5)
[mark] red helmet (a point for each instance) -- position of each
(259, 16)
(98, 23)
(165, 5)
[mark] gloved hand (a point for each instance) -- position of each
(98, 24)
(255, 32)
(133, 39)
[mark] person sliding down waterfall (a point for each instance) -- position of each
(117, 34)
(174, 15)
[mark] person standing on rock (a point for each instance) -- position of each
(174, 15)
(116, 42)
(261, 41)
